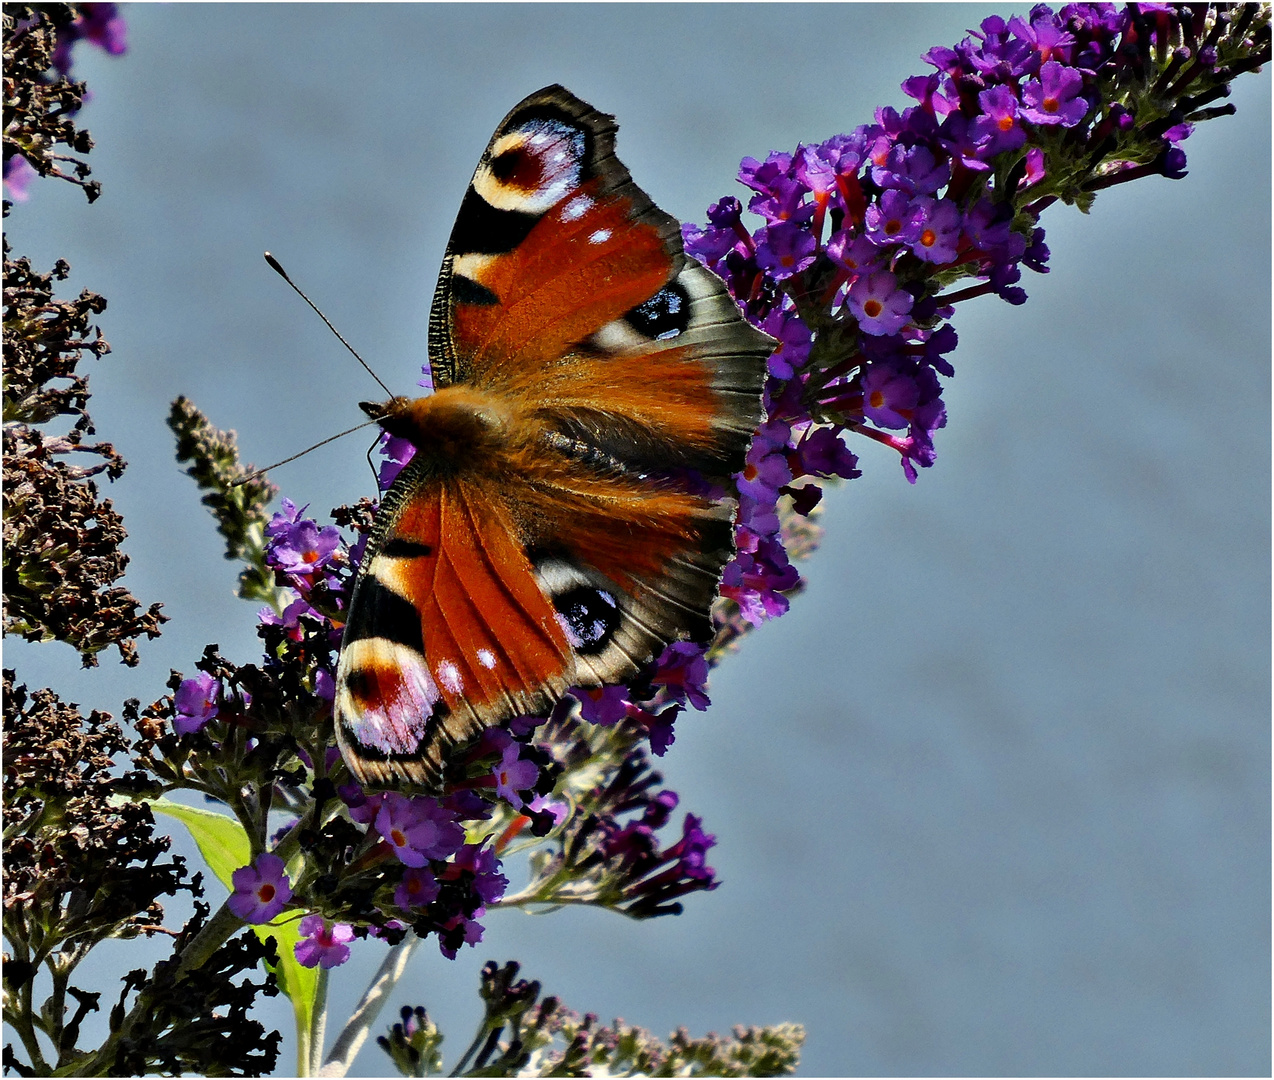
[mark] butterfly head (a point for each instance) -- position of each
(453, 423)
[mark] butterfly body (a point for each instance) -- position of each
(565, 514)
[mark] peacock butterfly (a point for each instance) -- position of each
(556, 525)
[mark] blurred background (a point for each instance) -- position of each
(993, 798)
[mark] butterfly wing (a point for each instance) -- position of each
(563, 280)
(571, 549)
(442, 563)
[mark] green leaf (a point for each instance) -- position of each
(221, 839)
(226, 847)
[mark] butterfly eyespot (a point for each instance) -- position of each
(590, 617)
(665, 315)
(533, 166)
(519, 168)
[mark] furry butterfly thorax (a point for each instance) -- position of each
(567, 512)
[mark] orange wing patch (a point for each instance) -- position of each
(491, 636)
(584, 264)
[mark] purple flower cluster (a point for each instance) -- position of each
(657, 878)
(863, 249)
(655, 698)
(863, 235)
(646, 878)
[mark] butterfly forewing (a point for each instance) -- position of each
(553, 529)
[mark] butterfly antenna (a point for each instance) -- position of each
(330, 438)
(274, 265)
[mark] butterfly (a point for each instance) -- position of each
(562, 519)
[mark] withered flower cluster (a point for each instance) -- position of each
(523, 1034)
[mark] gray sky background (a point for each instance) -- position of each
(994, 797)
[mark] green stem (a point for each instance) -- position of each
(309, 1037)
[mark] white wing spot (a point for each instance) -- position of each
(449, 677)
(599, 237)
(486, 658)
(576, 208)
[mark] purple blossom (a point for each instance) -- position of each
(297, 545)
(261, 890)
(322, 945)
(290, 618)
(683, 672)
(761, 175)
(879, 305)
(512, 775)
(794, 340)
(99, 24)
(1054, 98)
(756, 580)
(997, 131)
(889, 396)
(195, 703)
(483, 865)
(822, 452)
(783, 202)
(685, 870)
(558, 809)
(459, 930)
(912, 169)
(18, 175)
(767, 468)
(939, 234)
(417, 888)
(397, 452)
(895, 219)
(785, 249)
(363, 808)
(659, 727)
(418, 829)
(605, 705)
(1045, 35)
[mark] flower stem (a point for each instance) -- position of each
(354, 1034)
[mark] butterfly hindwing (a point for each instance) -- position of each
(566, 515)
